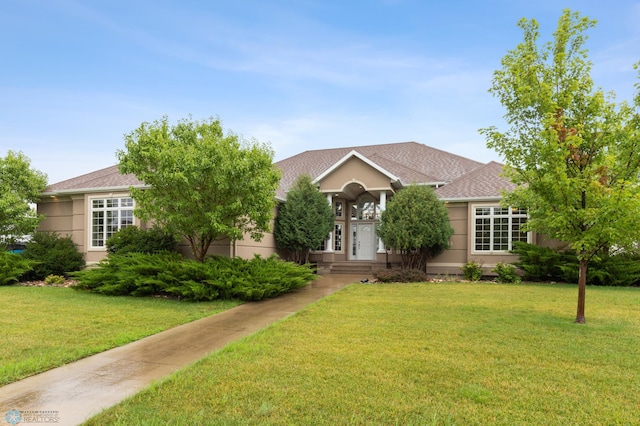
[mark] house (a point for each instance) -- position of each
(357, 181)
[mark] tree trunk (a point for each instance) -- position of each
(582, 284)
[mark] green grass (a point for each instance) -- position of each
(45, 327)
(439, 354)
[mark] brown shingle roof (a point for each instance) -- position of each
(484, 182)
(409, 161)
(108, 178)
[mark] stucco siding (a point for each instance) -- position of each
(354, 171)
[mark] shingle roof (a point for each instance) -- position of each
(410, 161)
(484, 182)
(107, 178)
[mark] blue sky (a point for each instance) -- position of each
(76, 75)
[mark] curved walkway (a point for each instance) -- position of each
(77, 391)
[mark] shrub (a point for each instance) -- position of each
(170, 274)
(54, 280)
(53, 255)
(400, 275)
(506, 273)
(545, 264)
(472, 271)
(135, 240)
(12, 267)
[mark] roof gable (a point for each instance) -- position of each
(355, 154)
(410, 162)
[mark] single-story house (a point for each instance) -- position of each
(357, 181)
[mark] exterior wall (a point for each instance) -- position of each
(450, 261)
(352, 171)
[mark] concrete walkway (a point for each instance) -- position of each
(77, 391)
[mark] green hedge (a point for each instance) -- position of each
(545, 264)
(170, 274)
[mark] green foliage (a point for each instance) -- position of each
(416, 223)
(54, 280)
(134, 239)
(472, 271)
(203, 185)
(12, 267)
(20, 187)
(545, 264)
(400, 275)
(573, 154)
(506, 273)
(170, 274)
(304, 220)
(52, 254)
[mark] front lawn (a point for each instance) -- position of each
(463, 354)
(45, 327)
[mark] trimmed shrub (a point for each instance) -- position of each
(12, 267)
(170, 274)
(135, 240)
(54, 280)
(52, 255)
(397, 275)
(472, 271)
(506, 273)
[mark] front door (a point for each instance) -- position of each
(363, 238)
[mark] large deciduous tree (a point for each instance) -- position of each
(574, 153)
(20, 188)
(204, 185)
(416, 223)
(304, 220)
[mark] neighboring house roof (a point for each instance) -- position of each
(100, 180)
(484, 183)
(411, 162)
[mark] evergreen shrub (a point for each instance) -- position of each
(135, 240)
(545, 264)
(172, 275)
(52, 255)
(12, 267)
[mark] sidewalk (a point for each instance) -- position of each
(77, 391)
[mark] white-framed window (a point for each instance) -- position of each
(109, 215)
(338, 209)
(337, 237)
(367, 208)
(496, 228)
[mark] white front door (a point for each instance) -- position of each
(363, 241)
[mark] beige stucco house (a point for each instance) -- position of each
(358, 183)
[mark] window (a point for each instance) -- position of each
(366, 209)
(338, 208)
(337, 237)
(108, 216)
(496, 228)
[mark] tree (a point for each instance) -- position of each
(20, 188)
(416, 222)
(203, 185)
(304, 220)
(574, 154)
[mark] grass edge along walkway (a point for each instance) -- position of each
(46, 327)
(454, 353)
